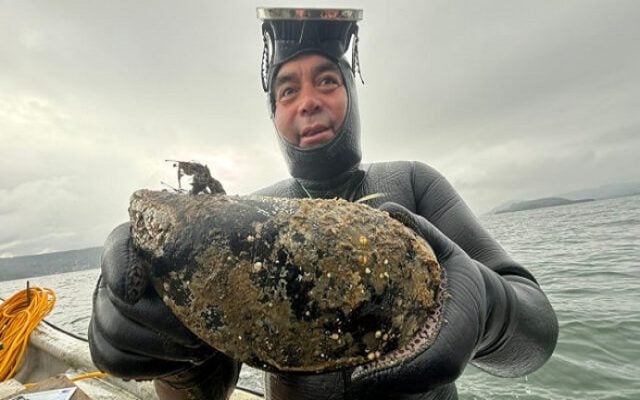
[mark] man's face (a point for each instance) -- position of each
(311, 101)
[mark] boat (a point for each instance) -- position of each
(55, 355)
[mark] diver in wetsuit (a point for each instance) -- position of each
(497, 317)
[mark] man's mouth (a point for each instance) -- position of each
(315, 135)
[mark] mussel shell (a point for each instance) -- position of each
(295, 285)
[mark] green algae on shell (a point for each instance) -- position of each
(295, 285)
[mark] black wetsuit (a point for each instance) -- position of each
(424, 191)
(517, 328)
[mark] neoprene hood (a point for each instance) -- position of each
(289, 33)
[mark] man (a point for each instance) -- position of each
(496, 316)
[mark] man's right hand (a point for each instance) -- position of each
(132, 333)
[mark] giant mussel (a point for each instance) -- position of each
(297, 285)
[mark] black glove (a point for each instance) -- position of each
(133, 334)
(479, 308)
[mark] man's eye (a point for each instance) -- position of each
(285, 92)
(328, 80)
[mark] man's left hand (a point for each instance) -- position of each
(461, 329)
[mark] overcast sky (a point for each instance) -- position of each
(508, 99)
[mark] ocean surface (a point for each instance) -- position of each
(585, 256)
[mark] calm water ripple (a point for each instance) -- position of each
(586, 257)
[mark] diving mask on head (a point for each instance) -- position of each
(292, 32)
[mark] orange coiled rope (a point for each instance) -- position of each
(19, 316)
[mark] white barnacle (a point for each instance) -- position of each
(257, 266)
(367, 270)
(250, 239)
(335, 336)
(378, 334)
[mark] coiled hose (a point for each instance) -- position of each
(19, 316)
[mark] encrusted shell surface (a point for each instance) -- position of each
(290, 284)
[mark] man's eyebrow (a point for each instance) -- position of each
(318, 69)
(282, 79)
(326, 66)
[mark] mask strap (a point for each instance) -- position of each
(267, 54)
(355, 56)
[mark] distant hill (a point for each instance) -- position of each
(597, 193)
(49, 264)
(538, 203)
(605, 192)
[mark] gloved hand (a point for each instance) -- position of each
(134, 335)
(472, 292)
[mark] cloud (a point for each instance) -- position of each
(68, 175)
(508, 100)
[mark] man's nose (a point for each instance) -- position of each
(310, 103)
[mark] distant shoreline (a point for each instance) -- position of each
(540, 203)
(604, 192)
(49, 264)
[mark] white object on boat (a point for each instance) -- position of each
(51, 353)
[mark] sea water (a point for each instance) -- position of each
(585, 256)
